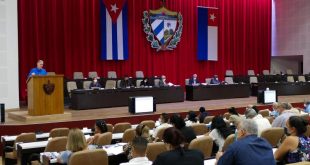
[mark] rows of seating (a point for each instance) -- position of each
(110, 74)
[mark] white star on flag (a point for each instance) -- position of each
(212, 17)
(114, 8)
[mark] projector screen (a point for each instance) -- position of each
(144, 104)
(270, 96)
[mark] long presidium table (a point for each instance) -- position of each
(88, 99)
(209, 92)
(283, 88)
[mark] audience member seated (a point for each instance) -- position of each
(233, 111)
(202, 114)
(162, 81)
(296, 147)
(285, 112)
(141, 131)
(234, 121)
(164, 123)
(307, 107)
(76, 142)
(219, 132)
(262, 123)
(138, 152)
(95, 83)
(188, 132)
(193, 80)
(274, 113)
(215, 80)
(191, 118)
(176, 154)
(100, 128)
(145, 82)
(126, 83)
(248, 149)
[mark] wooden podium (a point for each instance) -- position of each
(45, 95)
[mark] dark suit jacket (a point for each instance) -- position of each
(214, 81)
(126, 83)
(92, 84)
(174, 157)
(191, 81)
(162, 84)
(142, 83)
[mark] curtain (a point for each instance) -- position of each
(66, 35)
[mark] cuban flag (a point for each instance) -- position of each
(114, 29)
(207, 34)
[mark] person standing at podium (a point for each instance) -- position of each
(38, 70)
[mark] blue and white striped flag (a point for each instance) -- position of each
(114, 29)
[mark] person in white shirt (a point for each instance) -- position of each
(219, 132)
(164, 123)
(139, 145)
(191, 118)
(262, 123)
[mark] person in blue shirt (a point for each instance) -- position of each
(307, 107)
(248, 149)
(38, 70)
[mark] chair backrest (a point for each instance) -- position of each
(59, 132)
(129, 135)
(229, 73)
(112, 74)
(139, 74)
(92, 74)
(93, 157)
(138, 82)
(270, 119)
(253, 80)
(110, 127)
(273, 135)
(289, 71)
(118, 83)
(56, 144)
(203, 144)
(208, 80)
(104, 139)
(154, 149)
(229, 80)
(251, 73)
(187, 81)
(86, 84)
(301, 78)
(208, 119)
(200, 129)
(290, 79)
(121, 127)
(78, 75)
(149, 123)
(24, 138)
(71, 85)
(156, 82)
(51, 73)
(264, 112)
(160, 133)
(266, 72)
(110, 84)
(228, 141)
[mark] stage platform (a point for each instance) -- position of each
(214, 106)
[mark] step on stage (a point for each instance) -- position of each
(20, 116)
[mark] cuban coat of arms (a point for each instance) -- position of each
(163, 28)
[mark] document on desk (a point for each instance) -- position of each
(114, 149)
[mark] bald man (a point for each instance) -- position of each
(38, 70)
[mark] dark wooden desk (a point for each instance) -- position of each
(283, 89)
(89, 99)
(210, 92)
